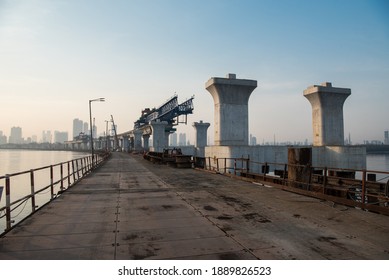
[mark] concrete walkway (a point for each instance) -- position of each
(133, 209)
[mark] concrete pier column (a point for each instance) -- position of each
(167, 136)
(146, 138)
(327, 113)
(138, 140)
(131, 143)
(201, 137)
(159, 137)
(231, 96)
(108, 143)
(126, 144)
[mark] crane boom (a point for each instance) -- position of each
(116, 147)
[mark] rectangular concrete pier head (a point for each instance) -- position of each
(231, 96)
(327, 113)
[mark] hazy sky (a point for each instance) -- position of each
(56, 55)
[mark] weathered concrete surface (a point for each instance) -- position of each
(230, 97)
(200, 138)
(132, 209)
(327, 113)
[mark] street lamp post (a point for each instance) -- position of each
(91, 127)
(106, 135)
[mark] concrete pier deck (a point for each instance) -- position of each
(132, 209)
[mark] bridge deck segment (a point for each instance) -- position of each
(133, 209)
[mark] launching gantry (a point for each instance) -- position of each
(158, 122)
(169, 112)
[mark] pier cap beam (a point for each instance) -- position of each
(138, 140)
(146, 138)
(327, 113)
(231, 96)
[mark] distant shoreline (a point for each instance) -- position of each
(377, 149)
(370, 149)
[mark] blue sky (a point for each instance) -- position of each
(56, 55)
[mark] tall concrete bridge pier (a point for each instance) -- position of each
(327, 113)
(231, 96)
(201, 129)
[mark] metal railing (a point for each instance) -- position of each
(365, 189)
(49, 181)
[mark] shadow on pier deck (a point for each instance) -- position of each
(133, 209)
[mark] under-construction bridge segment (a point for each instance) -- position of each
(170, 112)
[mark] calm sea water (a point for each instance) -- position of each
(14, 161)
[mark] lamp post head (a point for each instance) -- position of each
(102, 99)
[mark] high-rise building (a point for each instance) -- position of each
(60, 137)
(182, 139)
(86, 128)
(47, 137)
(386, 138)
(16, 135)
(253, 140)
(3, 138)
(77, 127)
(173, 139)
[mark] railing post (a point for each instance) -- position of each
(8, 202)
(310, 177)
(51, 182)
(325, 180)
(225, 165)
(73, 172)
(285, 170)
(217, 164)
(82, 167)
(363, 195)
(264, 173)
(89, 164)
(32, 190)
(68, 174)
(78, 170)
(248, 164)
(234, 166)
(86, 165)
(61, 171)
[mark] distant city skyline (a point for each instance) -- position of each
(175, 139)
(16, 137)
